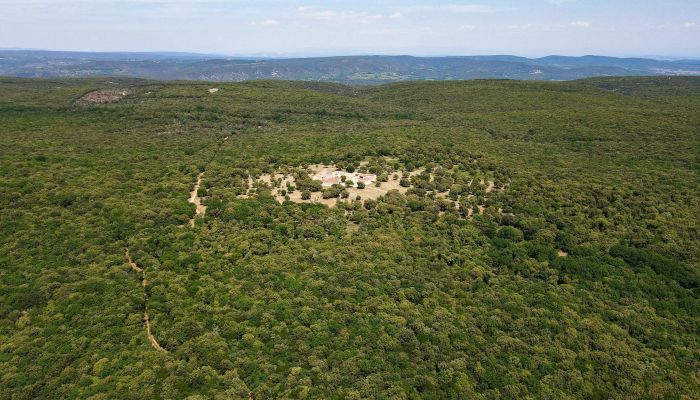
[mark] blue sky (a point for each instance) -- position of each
(299, 28)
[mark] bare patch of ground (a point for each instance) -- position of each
(102, 96)
(196, 200)
(490, 187)
(330, 176)
(371, 190)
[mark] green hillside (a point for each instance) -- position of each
(363, 70)
(546, 243)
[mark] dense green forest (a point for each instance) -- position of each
(577, 278)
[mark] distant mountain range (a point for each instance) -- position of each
(344, 69)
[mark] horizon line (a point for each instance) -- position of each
(348, 54)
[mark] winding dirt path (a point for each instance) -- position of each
(152, 339)
(194, 197)
(144, 282)
(201, 209)
(196, 200)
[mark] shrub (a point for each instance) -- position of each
(370, 204)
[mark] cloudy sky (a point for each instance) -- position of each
(298, 28)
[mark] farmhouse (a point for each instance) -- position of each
(330, 177)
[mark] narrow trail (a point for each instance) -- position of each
(152, 339)
(194, 195)
(201, 209)
(144, 283)
(196, 200)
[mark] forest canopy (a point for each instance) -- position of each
(542, 240)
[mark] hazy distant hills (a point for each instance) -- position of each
(346, 69)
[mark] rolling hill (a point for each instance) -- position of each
(350, 69)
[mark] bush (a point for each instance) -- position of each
(511, 233)
(66, 200)
(370, 204)
(415, 205)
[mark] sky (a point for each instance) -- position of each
(321, 28)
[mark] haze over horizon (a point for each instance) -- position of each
(281, 28)
(272, 56)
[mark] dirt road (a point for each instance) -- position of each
(196, 200)
(144, 283)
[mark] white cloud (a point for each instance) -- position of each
(551, 27)
(560, 2)
(265, 22)
(468, 8)
(342, 15)
(396, 15)
(580, 24)
(671, 27)
(453, 8)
